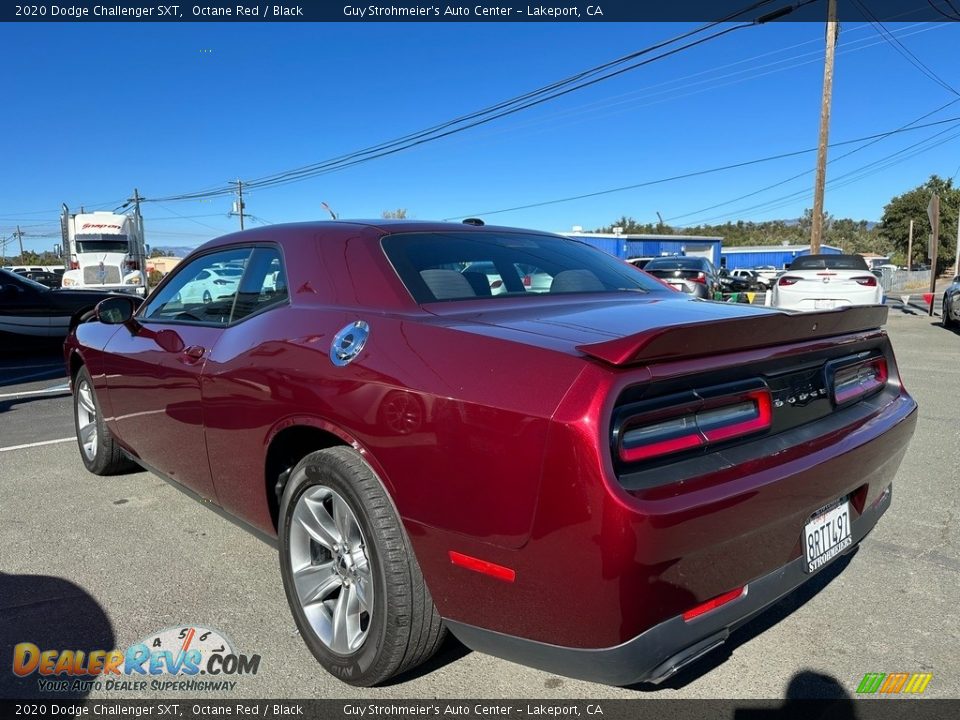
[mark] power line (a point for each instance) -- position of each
(946, 15)
(850, 177)
(533, 98)
(698, 173)
(711, 83)
(807, 172)
(340, 165)
(904, 51)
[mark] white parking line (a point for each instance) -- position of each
(36, 444)
(14, 381)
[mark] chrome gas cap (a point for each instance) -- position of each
(348, 343)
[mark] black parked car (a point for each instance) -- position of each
(950, 313)
(731, 283)
(29, 308)
(47, 279)
(695, 275)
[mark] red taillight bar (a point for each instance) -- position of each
(714, 420)
(759, 421)
(714, 603)
(854, 382)
(866, 280)
(788, 280)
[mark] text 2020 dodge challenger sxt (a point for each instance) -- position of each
(590, 473)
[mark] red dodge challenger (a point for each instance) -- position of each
(500, 433)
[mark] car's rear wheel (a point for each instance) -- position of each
(207, 298)
(945, 318)
(100, 453)
(353, 583)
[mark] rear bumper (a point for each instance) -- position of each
(661, 651)
(788, 299)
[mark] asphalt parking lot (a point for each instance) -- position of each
(104, 562)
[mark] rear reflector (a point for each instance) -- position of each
(867, 280)
(482, 566)
(713, 419)
(714, 603)
(856, 381)
(788, 280)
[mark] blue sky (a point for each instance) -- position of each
(93, 110)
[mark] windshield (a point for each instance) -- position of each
(829, 262)
(102, 244)
(470, 265)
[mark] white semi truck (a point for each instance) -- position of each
(104, 251)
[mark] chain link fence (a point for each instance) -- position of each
(899, 280)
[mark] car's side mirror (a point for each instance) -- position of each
(115, 310)
(956, 279)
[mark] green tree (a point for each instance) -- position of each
(912, 205)
(398, 214)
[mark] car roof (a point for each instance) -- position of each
(342, 229)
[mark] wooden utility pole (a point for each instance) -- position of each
(19, 235)
(910, 249)
(956, 262)
(816, 230)
(240, 202)
(933, 213)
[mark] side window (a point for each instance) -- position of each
(263, 285)
(202, 291)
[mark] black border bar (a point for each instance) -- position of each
(550, 11)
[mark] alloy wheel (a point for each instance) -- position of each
(87, 420)
(331, 570)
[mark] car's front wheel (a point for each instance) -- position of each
(353, 583)
(99, 451)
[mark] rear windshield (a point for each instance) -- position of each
(470, 265)
(680, 262)
(829, 262)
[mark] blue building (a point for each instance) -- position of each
(777, 255)
(627, 246)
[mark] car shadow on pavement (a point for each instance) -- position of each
(50, 613)
(30, 364)
(954, 330)
(782, 609)
(810, 696)
(451, 651)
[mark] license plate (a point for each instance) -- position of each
(824, 304)
(826, 535)
(678, 286)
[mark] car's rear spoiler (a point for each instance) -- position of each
(673, 342)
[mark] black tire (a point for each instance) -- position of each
(948, 322)
(404, 628)
(106, 457)
(207, 297)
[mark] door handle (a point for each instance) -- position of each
(193, 354)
